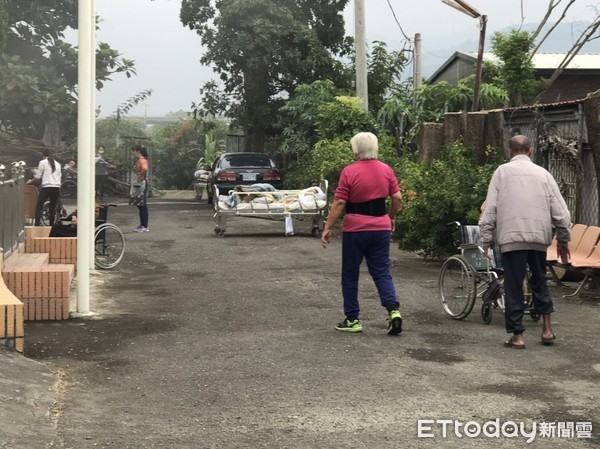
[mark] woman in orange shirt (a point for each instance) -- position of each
(140, 184)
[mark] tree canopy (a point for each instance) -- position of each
(516, 70)
(38, 68)
(263, 49)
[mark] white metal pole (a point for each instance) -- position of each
(360, 39)
(92, 133)
(86, 19)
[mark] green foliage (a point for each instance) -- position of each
(106, 135)
(385, 70)
(516, 69)
(408, 109)
(3, 23)
(38, 69)
(213, 102)
(262, 49)
(329, 157)
(176, 152)
(335, 122)
(342, 118)
(124, 107)
(213, 148)
(300, 116)
(451, 189)
(183, 147)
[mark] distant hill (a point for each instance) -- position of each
(436, 52)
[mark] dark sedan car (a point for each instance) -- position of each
(234, 169)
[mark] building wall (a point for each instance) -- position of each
(571, 87)
(456, 71)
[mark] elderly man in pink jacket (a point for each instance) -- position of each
(523, 206)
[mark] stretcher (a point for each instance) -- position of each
(281, 205)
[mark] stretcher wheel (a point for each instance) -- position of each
(221, 233)
(316, 232)
(535, 317)
(486, 313)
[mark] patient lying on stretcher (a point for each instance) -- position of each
(265, 197)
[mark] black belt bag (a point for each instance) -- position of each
(373, 208)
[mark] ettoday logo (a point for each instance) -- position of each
(436, 428)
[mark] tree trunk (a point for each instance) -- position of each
(256, 105)
(53, 133)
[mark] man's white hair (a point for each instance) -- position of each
(365, 145)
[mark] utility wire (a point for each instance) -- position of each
(396, 19)
(434, 54)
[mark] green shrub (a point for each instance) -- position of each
(336, 122)
(451, 189)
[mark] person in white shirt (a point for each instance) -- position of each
(50, 173)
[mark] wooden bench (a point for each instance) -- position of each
(12, 329)
(577, 231)
(584, 260)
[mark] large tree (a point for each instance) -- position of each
(38, 68)
(263, 49)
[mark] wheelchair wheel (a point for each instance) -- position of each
(68, 189)
(109, 246)
(60, 213)
(457, 287)
(45, 218)
(486, 313)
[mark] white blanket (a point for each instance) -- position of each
(299, 201)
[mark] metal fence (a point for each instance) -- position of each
(573, 170)
(12, 203)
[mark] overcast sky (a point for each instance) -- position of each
(167, 55)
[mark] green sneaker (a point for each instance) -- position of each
(349, 326)
(394, 322)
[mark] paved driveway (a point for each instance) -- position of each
(206, 342)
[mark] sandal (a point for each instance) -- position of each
(510, 344)
(548, 341)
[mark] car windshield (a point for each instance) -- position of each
(245, 160)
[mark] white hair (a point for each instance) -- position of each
(365, 145)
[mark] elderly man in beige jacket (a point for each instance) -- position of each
(522, 207)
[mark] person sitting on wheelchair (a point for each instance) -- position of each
(67, 227)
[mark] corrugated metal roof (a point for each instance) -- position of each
(545, 105)
(552, 60)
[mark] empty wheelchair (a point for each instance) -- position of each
(470, 275)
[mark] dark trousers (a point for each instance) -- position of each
(375, 247)
(100, 183)
(515, 269)
(143, 210)
(52, 193)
